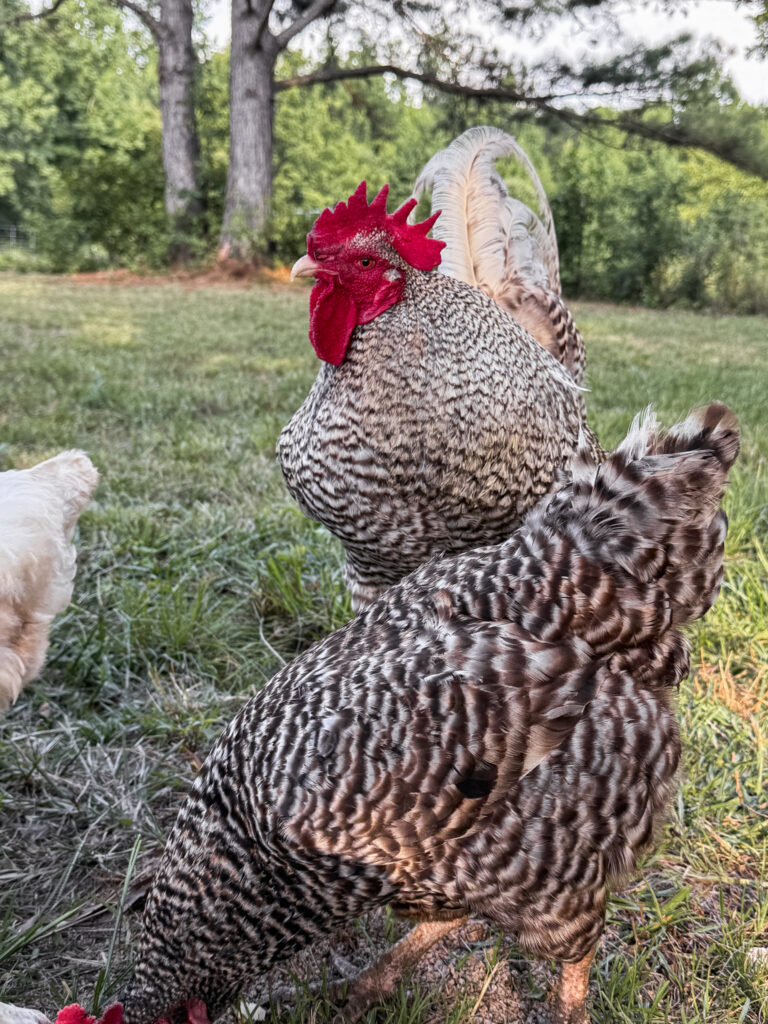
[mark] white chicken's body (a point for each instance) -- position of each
(39, 508)
(10, 1014)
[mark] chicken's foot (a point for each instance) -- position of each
(382, 978)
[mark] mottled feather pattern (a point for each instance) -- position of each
(444, 424)
(494, 736)
(544, 315)
(496, 243)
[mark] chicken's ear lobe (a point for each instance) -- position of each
(332, 318)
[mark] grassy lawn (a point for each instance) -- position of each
(197, 574)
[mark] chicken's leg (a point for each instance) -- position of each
(570, 1002)
(382, 978)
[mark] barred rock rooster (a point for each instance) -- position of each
(435, 421)
(496, 243)
(39, 508)
(494, 736)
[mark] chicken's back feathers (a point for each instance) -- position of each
(39, 508)
(10, 1014)
(653, 511)
(497, 243)
(494, 735)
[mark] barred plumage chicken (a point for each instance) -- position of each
(435, 421)
(495, 736)
(39, 508)
(497, 243)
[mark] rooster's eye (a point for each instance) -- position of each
(366, 261)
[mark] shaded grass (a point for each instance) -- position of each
(197, 576)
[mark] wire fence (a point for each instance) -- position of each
(12, 237)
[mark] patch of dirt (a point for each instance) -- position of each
(740, 692)
(227, 274)
(471, 965)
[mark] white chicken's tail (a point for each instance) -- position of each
(496, 243)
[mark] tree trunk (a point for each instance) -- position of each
(249, 178)
(181, 145)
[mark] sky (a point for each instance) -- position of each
(639, 22)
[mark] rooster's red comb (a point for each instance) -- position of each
(347, 219)
(75, 1014)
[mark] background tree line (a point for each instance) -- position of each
(118, 137)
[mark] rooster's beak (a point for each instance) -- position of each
(305, 267)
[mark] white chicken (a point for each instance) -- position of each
(10, 1014)
(39, 508)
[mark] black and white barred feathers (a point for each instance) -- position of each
(445, 423)
(494, 736)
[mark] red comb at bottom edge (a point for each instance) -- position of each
(75, 1014)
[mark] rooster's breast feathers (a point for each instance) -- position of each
(444, 423)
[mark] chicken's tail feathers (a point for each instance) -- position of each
(646, 527)
(712, 429)
(710, 432)
(495, 242)
(489, 234)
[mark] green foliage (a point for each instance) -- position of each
(329, 138)
(724, 260)
(212, 105)
(80, 164)
(617, 215)
(326, 139)
(80, 158)
(644, 223)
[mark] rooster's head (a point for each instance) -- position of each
(359, 255)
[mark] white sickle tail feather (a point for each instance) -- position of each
(485, 229)
(496, 243)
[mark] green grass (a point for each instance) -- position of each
(197, 575)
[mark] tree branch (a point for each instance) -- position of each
(671, 133)
(729, 149)
(313, 12)
(264, 20)
(29, 16)
(154, 26)
(370, 70)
